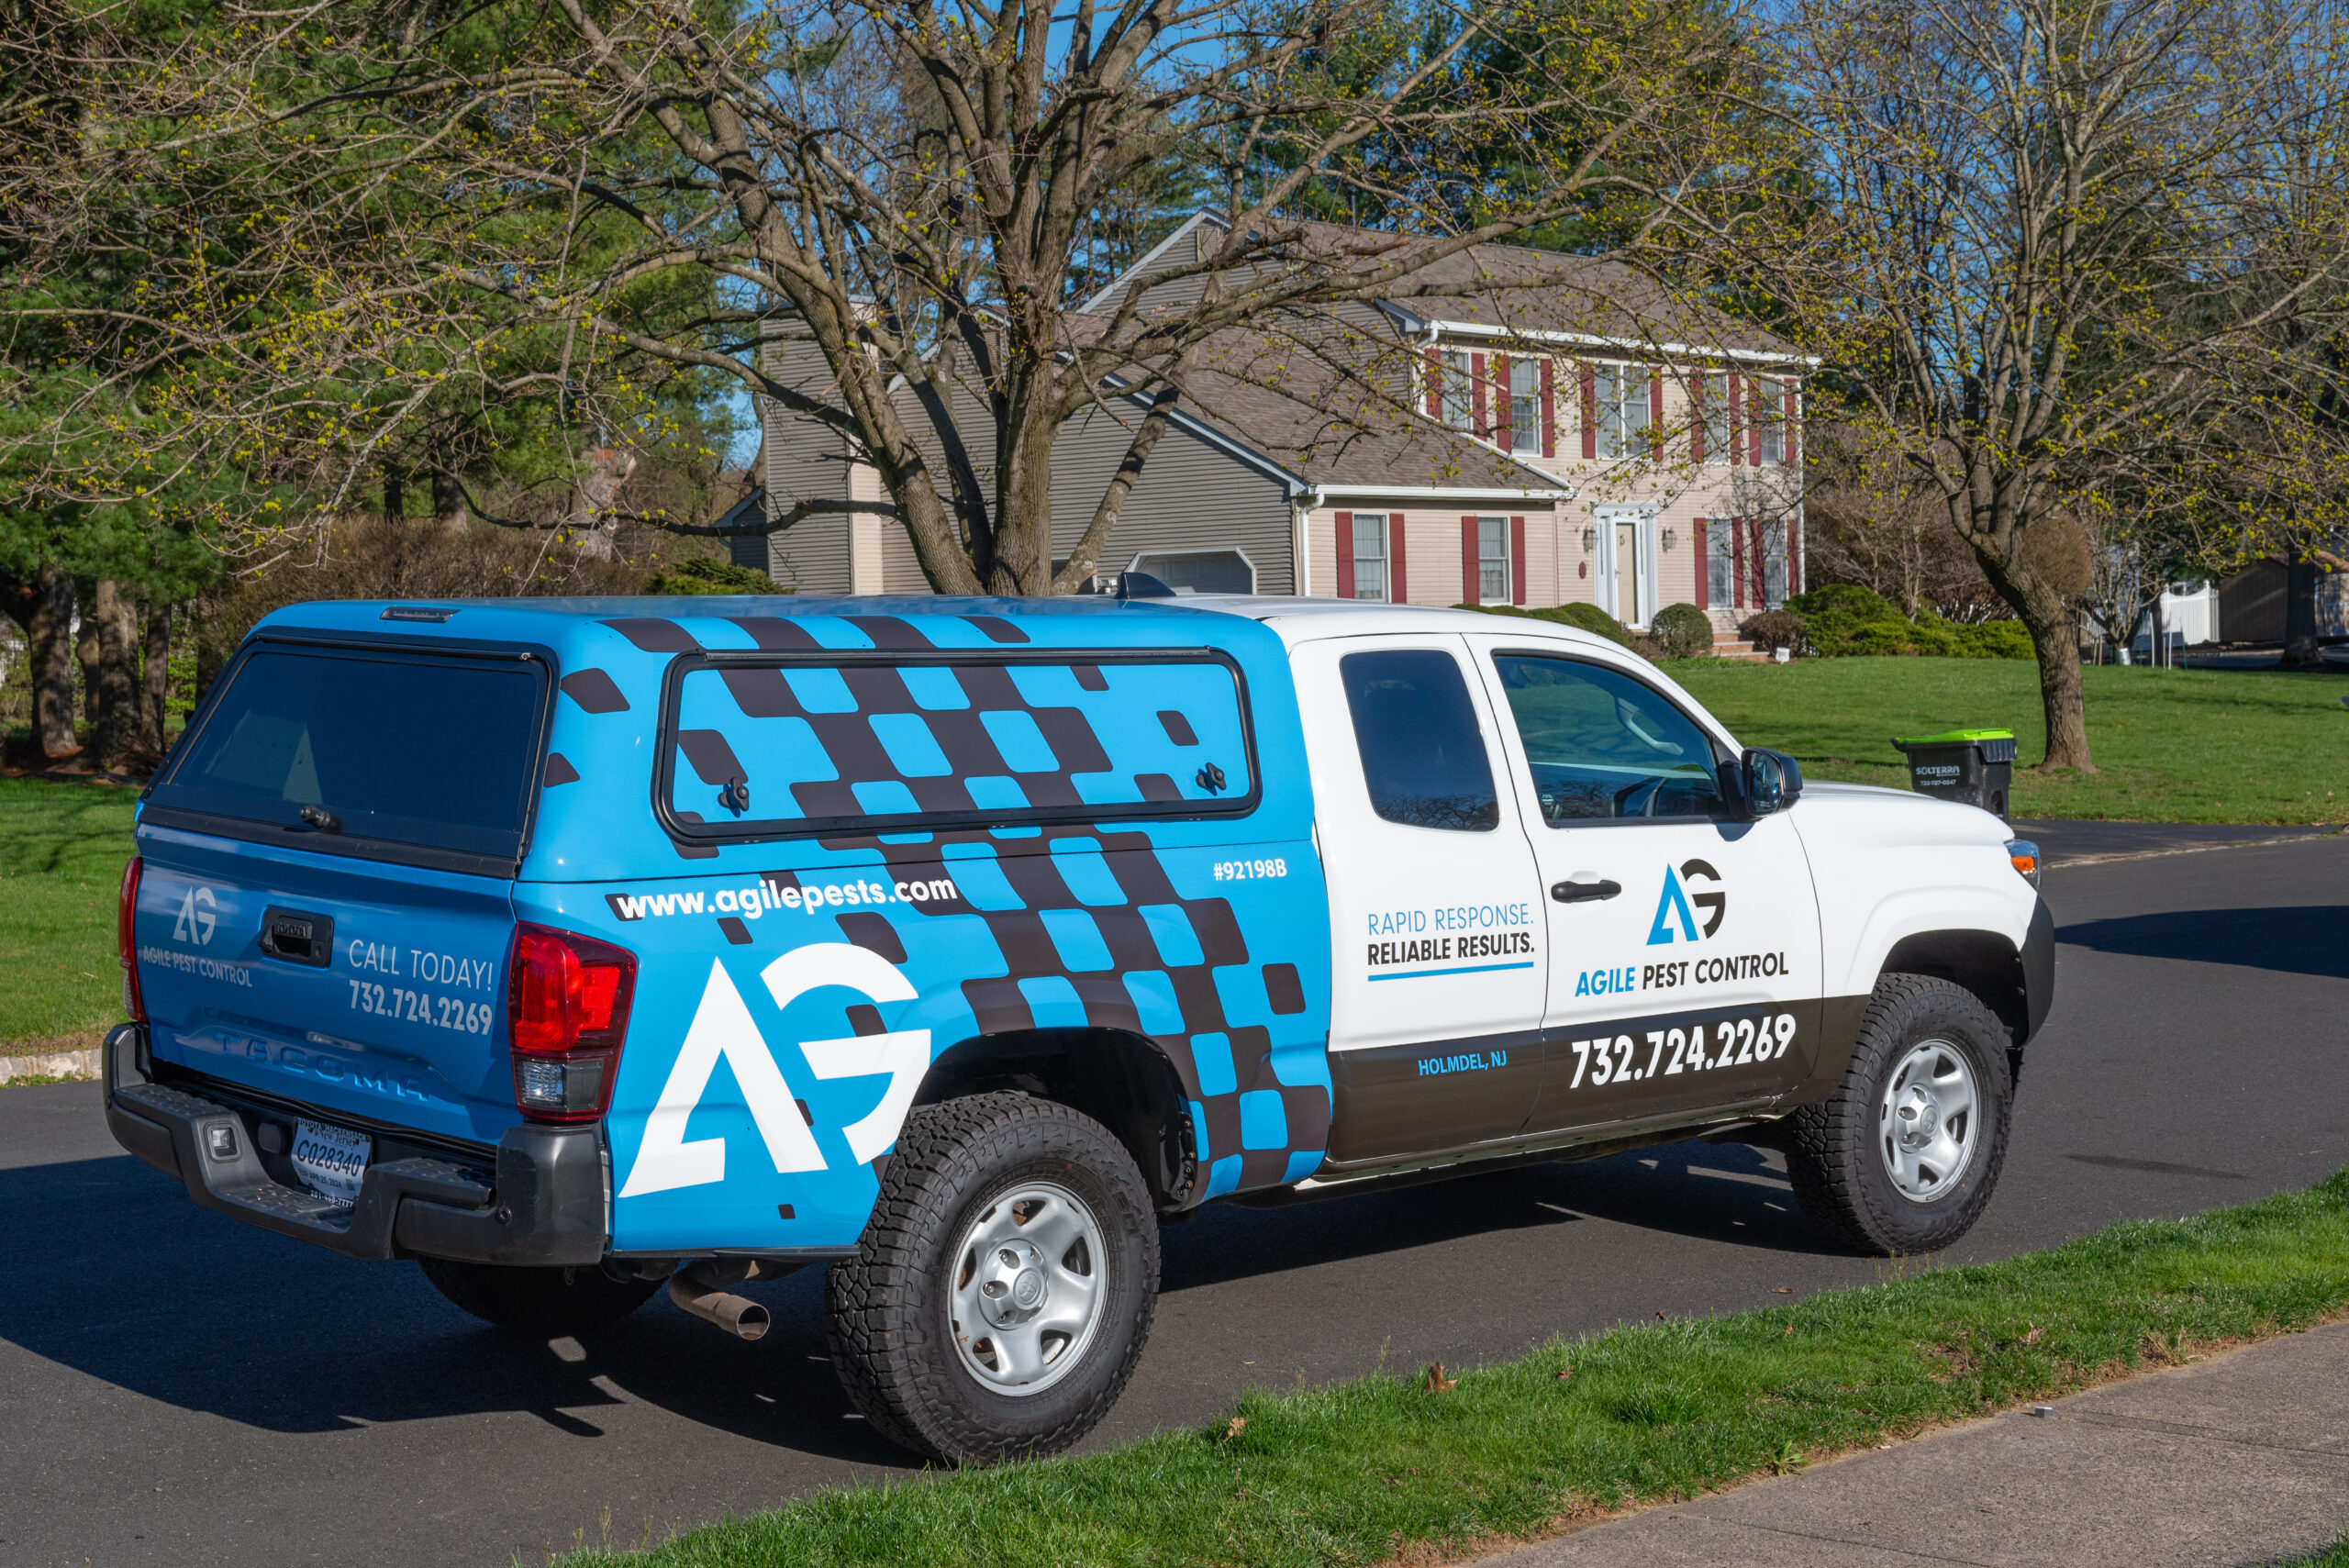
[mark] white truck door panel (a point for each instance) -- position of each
(1685, 952)
(1440, 959)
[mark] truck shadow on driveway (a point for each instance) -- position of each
(203, 1314)
(2313, 939)
(187, 1307)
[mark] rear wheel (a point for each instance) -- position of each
(1005, 1286)
(1905, 1155)
(542, 1301)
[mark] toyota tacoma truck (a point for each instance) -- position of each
(581, 949)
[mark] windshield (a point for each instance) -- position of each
(431, 751)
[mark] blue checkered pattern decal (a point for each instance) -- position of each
(793, 983)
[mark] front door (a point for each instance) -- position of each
(1627, 572)
(1439, 952)
(1684, 951)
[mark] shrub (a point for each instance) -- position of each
(1683, 631)
(1774, 630)
(1582, 617)
(1841, 619)
(703, 576)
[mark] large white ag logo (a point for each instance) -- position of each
(196, 920)
(1672, 905)
(723, 1027)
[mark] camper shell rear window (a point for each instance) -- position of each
(772, 745)
(423, 758)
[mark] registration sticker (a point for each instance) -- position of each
(331, 1160)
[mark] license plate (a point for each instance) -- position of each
(331, 1160)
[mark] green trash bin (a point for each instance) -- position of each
(1976, 766)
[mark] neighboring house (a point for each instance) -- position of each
(1525, 428)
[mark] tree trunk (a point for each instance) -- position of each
(203, 637)
(117, 719)
(1023, 534)
(155, 676)
(2303, 579)
(447, 502)
(86, 654)
(50, 633)
(394, 495)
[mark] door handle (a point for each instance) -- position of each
(1584, 892)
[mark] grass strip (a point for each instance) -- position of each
(2334, 1556)
(2170, 745)
(62, 850)
(1367, 1470)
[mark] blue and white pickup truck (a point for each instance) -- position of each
(575, 948)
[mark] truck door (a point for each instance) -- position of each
(1683, 946)
(1438, 956)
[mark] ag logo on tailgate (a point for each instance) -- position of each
(723, 1027)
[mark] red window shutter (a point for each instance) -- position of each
(1793, 401)
(1697, 432)
(1590, 410)
(1476, 425)
(1754, 426)
(1737, 562)
(1435, 384)
(1734, 424)
(1468, 594)
(1656, 411)
(1704, 561)
(1504, 411)
(1345, 555)
(1517, 560)
(1757, 548)
(1548, 413)
(1398, 587)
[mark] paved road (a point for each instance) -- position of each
(177, 1389)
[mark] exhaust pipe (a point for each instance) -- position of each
(700, 1289)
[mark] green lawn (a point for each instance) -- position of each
(2169, 745)
(61, 849)
(1386, 1467)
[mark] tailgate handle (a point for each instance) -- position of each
(298, 936)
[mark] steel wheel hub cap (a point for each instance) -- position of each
(1925, 1126)
(1027, 1295)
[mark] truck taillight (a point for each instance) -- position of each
(125, 939)
(566, 1012)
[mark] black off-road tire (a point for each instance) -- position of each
(538, 1301)
(891, 1340)
(1838, 1172)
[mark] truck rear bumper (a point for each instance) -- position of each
(544, 1204)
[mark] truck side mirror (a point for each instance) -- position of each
(1773, 781)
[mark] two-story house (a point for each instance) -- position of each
(1522, 428)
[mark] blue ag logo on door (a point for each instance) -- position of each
(1673, 905)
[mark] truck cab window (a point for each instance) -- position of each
(1601, 745)
(1422, 753)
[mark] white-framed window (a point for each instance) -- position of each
(1770, 419)
(1622, 399)
(1718, 423)
(1370, 556)
(1721, 589)
(1492, 561)
(1457, 388)
(1525, 405)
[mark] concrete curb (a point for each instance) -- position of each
(52, 1064)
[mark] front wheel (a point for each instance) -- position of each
(1003, 1290)
(1904, 1156)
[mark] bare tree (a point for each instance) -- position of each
(2039, 238)
(922, 192)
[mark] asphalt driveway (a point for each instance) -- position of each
(177, 1389)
